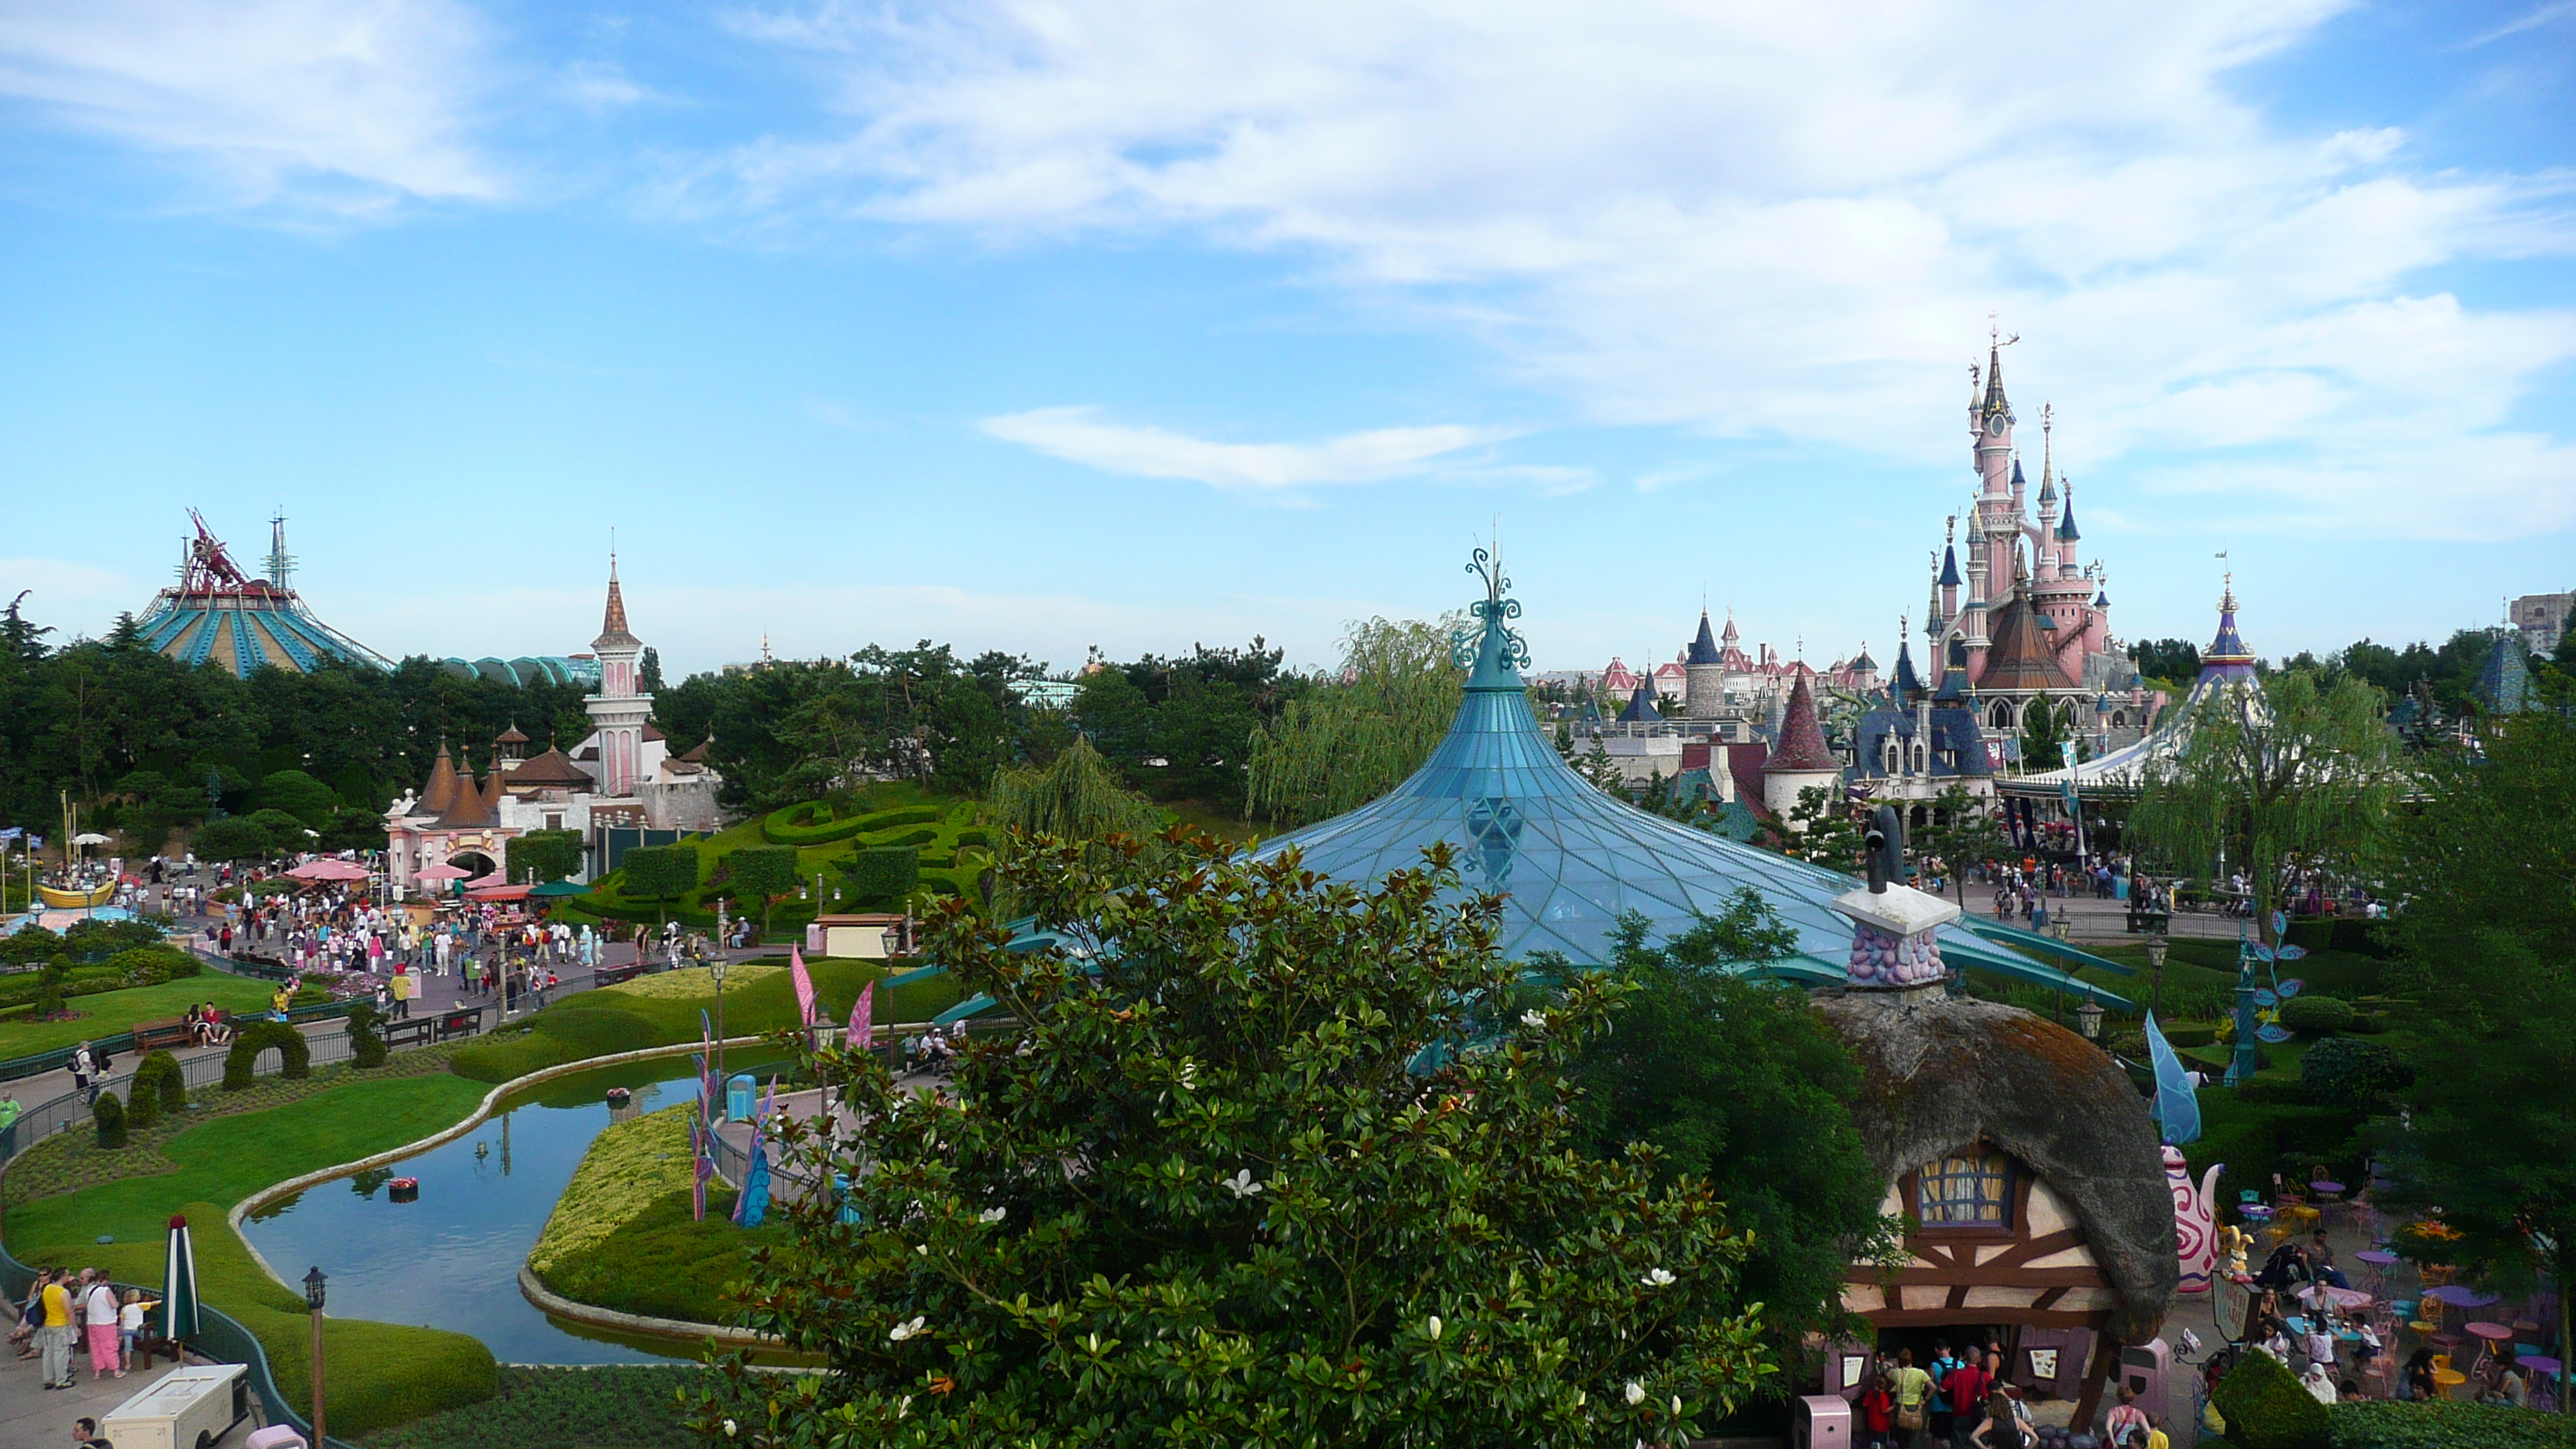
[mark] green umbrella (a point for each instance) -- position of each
(559, 888)
(179, 1285)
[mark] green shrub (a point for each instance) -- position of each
(366, 1044)
(109, 1114)
(2188, 1036)
(23, 1008)
(231, 838)
(762, 872)
(2347, 1072)
(883, 877)
(2316, 1015)
(142, 1099)
(2266, 1409)
(153, 965)
(2445, 1424)
(295, 1056)
(900, 815)
(285, 830)
(918, 836)
(168, 1082)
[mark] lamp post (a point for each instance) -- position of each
(313, 1300)
(2088, 1017)
(2157, 945)
(716, 969)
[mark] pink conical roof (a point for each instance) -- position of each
(1802, 740)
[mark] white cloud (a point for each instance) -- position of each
(1781, 221)
(341, 105)
(1075, 435)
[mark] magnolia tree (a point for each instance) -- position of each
(1262, 1160)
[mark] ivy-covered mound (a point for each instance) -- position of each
(624, 1234)
(1270, 1160)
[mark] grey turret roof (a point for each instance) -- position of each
(1703, 646)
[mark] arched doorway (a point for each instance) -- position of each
(475, 861)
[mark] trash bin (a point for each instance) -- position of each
(742, 1097)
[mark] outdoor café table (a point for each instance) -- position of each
(2327, 1192)
(2380, 1261)
(2459, 1295)
(2543, 1370)
(2488, 1336)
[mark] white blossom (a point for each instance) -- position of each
(1658, 1278)
(1636, 1392)
(1433, 1328)
(902, 1331)
(1534, 1019)
(1677, 1406)
(990, 1215)
(732, 1428)
(1241, 1184)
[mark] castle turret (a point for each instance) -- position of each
(1704, 672)
(1799, 758)
(618, 709)
(1949, 580)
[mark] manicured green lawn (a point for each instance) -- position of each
(381, 1373)
(625, 1235)
(594, 1023)
(110, 1012)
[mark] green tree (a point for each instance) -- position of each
(661, 873)
(1739, 1083)
(299, 795)
(1827, 833)
(883, 877)
(761, 874)
(1213, 1191)
(286, 832)
(1359, 732)
(1075, 797)
(648, 671)
(232, 839)
(2043, 736)
(2296, 771)
(2175, 661)
(544, 855)
(1961, 830)
(2488, 944)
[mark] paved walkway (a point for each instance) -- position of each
(2106, 922)
(197, 933)
(32, 1418)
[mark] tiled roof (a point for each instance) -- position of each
(1703, 647)
(613, 633)
(546, 771)
(1802, 740)
(2017, 651)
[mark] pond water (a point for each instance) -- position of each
(451, 1260)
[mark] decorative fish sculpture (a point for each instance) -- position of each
(2195, 1221)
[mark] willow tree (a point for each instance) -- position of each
(2291, 772)
(1075, 797)
(1359, 733)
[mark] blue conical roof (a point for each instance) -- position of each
(1703, 648)
(1641, 704)
(1568, 859)
(1949, 566)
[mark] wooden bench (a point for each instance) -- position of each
(156, 1035)
(410, 1030)
(612, 975)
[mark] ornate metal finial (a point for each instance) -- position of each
(1493, 614)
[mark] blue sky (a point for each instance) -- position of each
(1037, 326)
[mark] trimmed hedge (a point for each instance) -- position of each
(295, 1055)
(796, 824)
(554, 1037)
(884, 877)
(2266, 1409)
(2444, 1424)
(160, 1079)
(2316, 1015)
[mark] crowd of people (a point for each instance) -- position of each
(1961, 1400)
(65, 1312)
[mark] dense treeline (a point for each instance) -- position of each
(139, 737)
(1174, 728)
(2447, 673)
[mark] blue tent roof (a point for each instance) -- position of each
(1641, 704)
(1568, 859)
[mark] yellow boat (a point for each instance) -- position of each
(61, 899)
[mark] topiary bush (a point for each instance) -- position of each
(2266, 1409)
(2316, 1015)
(153, 965)
(366, 1044)
(109, 1114)
(295, 1057)
(160, 1078)
(883, 877)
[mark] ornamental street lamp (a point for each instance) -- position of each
(2088, 1017)
(313, 1281)
(2157, 945)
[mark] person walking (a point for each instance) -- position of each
(1913, 1390)
(84, 1071)
(101, 1314)
(54, 1335)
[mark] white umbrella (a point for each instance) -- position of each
(89, 837)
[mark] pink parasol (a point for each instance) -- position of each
(442, 871)
(328, 870)
(486, 882)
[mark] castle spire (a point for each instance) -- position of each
(613, 633)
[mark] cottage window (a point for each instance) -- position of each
(1967, 1190)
